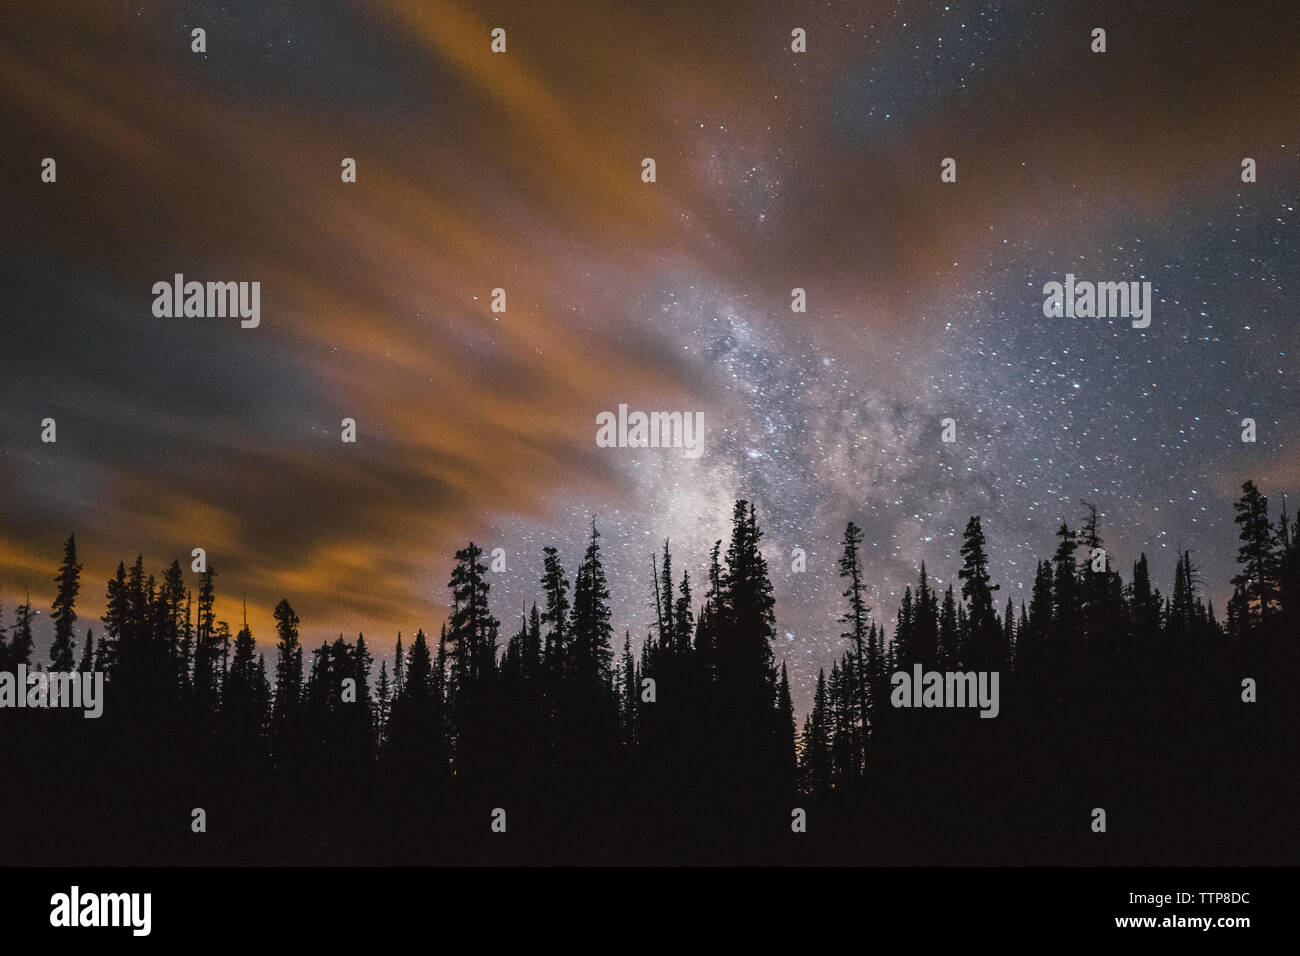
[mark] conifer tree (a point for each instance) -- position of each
(223, 657)
(20, 646)
(683, 615)
(263, 693)
(531, 661)
(1145, 604)
(1288, 564)
(64, 608)
(745, 650)
(207, 641)
(949, 638)
(440, 679)
(1238, 614)
(399, 668)
(876, 677)
(664, 593)
(88, 653)
(242, 702)
(1065, 602)
(710, 621)
(903, 633)
(171, 598)
(556, 615)
(185, 653)
(416, 742)
(114, 620)
(361, 664)
(977, 590)
(592, 653)
(856, 615)
(383, 697)
(1009, 630)
(815, 745)
(785, 725)
(288, 664)
(472, 629)
(1258, 576)
(628, 687)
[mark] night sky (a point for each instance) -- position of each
(522, 170)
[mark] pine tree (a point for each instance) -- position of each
(88, 653)
(683, 615)
(1009, 630)
(64, 608)
(710, 621)
(745, 650)
(1102, 598)
(440, 677)
(288, 664)
(785, 726)
(1288, 564)
(1145, 606)
(383, 697)
(904, 632)
(1182, 605)
(845, 731)
(591, 618)
(263, 693)
(1258, 577)
(949, 638)
(419, 677)
(472, 629)
(207, 642)
(243, 670)
(856, 615)
(242, 703)
(531, 659)
(1065, 604)
(399, 668)
(223, 655)
(925, 620)
(361, 664)
(20, 647)
(556, 615)
(171, 597)
(628, 695)
(815, 750)
(1022, 632)
(185, 654)
(114, 620)
(977, 590)
(806, 737)
(416, 743)
(361, 713)
(664, 597)
(876, 678)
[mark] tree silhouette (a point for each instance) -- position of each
(65, 614)
(1256, 555)
(856, 615)
(686, 747)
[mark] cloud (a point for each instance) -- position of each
(521, 171)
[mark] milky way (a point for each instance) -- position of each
(776, 170)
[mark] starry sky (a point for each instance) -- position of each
(522, 171)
